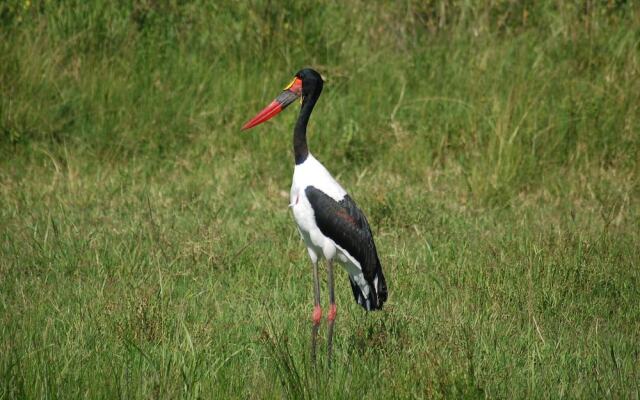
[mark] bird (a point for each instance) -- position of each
(330, 223)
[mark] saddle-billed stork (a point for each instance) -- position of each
(330, 223)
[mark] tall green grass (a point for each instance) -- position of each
(146, 248)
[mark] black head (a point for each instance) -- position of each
(312, 82)
(306, 84)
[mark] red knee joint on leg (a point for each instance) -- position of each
(333, 310)
(317, 315)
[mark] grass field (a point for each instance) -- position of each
(146, 246)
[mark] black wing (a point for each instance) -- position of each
(345, 224)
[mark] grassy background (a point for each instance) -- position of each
(146, 245)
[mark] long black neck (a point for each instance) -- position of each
(300, 149)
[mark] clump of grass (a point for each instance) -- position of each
(291, 373)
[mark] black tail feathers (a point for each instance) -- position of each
(377, 292)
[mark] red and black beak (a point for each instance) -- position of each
(288, 96)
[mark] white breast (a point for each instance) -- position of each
(312, 173)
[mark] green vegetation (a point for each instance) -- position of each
(146, 246)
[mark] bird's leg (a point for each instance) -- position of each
(317, 311)
(332, 309)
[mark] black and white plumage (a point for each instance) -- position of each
(344, 223)
(333, 227)
(330, 223)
